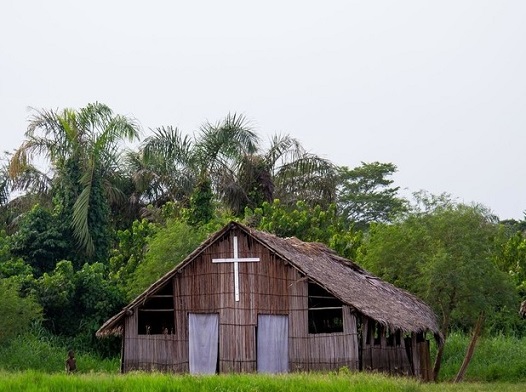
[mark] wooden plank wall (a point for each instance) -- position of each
(380, 356)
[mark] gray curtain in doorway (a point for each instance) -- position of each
(273, 344)
(203, 333)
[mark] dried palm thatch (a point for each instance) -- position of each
(393, 307)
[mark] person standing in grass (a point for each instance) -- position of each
(71, 362)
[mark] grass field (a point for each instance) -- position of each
(135, 382)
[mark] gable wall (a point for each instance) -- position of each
(268, 286)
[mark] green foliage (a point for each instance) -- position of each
(444, 255)
(242, 174)
(201, 209)
(365, 194)
(16, 269)
(130, 251)
(76, 303)
(12, 268)
(164, 169)
(311, 224)
(166, 249)
(254, 177)
(16, 312)
(40, 240)
(510, 257)
(55, 292)
(81, 203)
(96, 299)
(303, 222)
(91, 215)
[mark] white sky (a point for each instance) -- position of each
(437, 88)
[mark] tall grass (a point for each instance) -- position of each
(43, 352)
(500, 357)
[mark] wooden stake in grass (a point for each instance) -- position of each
(471, 348)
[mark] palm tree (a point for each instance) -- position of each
(298, 174)
(220, 150)
(82, 148)
(164, 170)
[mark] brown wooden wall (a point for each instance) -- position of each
(408, 354)
(266, 287)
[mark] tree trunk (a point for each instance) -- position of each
(471, 348)
(440, 351)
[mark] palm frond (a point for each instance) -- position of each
(32, 180)
(224, 142)
(311, 179)
(169, 144)
(80, 224)
(283, 148)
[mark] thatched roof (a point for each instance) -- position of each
(393, 307)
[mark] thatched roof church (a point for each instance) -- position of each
(247, 301)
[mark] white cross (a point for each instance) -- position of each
(236, 260)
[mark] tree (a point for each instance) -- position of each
(82, 147)
(76, 303)
(298, 175)
(443, 254)
(55, 292)
(40, 240)
(365, 194)
(5, 185)
(96, 299)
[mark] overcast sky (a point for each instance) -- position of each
(437, 88)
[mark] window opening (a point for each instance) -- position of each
(325, 311)
(156, 314)
(378, 331)
(393, 338)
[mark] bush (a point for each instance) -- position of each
(16, 312)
